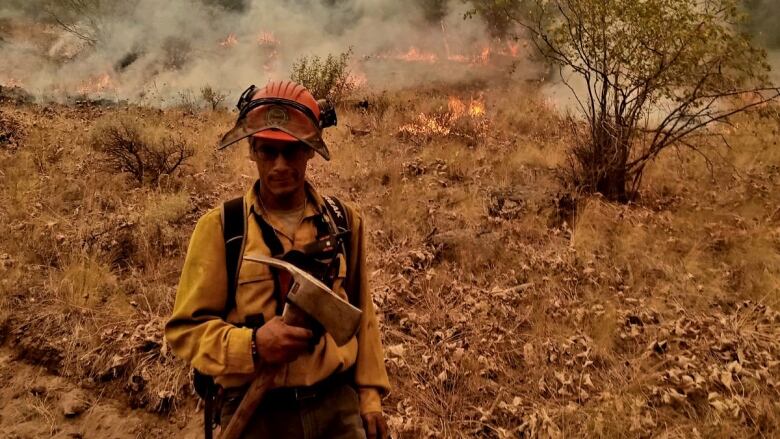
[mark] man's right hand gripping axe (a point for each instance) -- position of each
(308, 299)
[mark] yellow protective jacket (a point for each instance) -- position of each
(217, 346)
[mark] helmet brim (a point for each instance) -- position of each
(277, 122)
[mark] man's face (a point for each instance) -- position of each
(281, 165)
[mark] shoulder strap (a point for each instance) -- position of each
(269, 237)
(277, 250)
(337, 213)
(233, 230)
(339, 217)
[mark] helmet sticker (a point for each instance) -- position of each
(277, 115)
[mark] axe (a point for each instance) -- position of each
(308, 299)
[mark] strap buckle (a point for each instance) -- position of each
(304, 393)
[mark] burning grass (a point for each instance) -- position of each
(499, 319)
(464, 119)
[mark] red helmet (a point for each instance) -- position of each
(282, 110)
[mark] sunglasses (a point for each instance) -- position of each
(270, 153)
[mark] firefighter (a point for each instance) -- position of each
(226, 319)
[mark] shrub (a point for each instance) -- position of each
(128, 146)
(187, 102)
(325, 78)
(646, 77)
(212, 97)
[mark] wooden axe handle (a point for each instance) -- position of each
(248, 405)
(292, 316)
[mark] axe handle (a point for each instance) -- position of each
(248, 405)
(294, 316)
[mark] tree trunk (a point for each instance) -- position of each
(612, 185)
(608, 157)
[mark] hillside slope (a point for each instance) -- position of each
(508, 306)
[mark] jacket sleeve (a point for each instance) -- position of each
(370, 374)
(197, 331)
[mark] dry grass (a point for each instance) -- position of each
(500, 319)
(42, 408)
(93, 259)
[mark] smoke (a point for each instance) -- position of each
(762, 24)
(147, 49)
(763, 16)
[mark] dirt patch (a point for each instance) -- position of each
(36, 404)
(32, 346)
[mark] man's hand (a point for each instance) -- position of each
(375, 425)
(279, 343)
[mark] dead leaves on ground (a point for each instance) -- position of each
(467, 362)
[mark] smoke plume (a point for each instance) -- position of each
(763, 18)
(147, 49)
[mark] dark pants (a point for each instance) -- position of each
(333, 413)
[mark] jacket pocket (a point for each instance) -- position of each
(249, 280)
(253, 272)
(255, 292)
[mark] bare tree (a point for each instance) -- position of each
(127, 146)
(82, 18)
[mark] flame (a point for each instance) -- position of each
(457, 58)
(459, 109)
(357, 78)
(460, 58)
(484, 56)
(414, 55)
(97, 84)
(425, 125)
(477, 108)
(229, 41)
(265, 38)
(456, 106)
(271, 61)
(461, 118)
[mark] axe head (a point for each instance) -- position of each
(339, 318)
